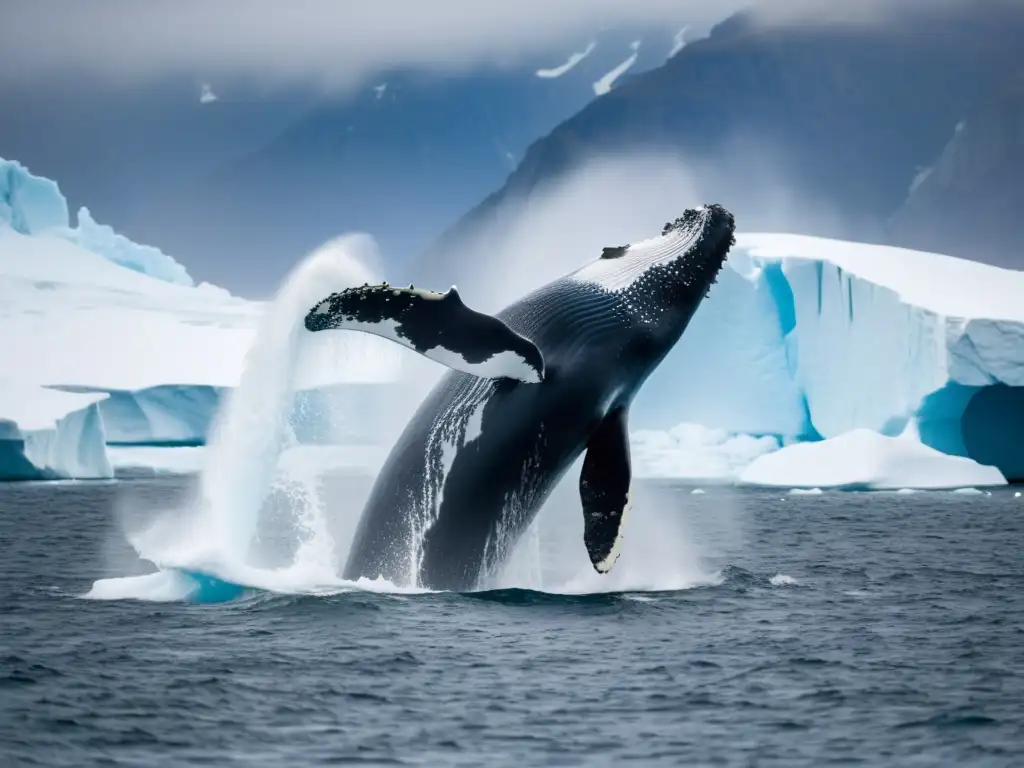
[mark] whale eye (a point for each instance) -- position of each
(613, 251)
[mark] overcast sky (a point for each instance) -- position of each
(340, 43)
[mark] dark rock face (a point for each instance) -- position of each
(844, 115)
(970, 202)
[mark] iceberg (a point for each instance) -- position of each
(33, 205)
(46, 434)
(71, 318)
(114, 355)
(865, 460)
(102, 239)
(808, 338)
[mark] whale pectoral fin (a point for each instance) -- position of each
(436, 325)
(604, 490)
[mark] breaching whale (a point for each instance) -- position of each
(531, 388)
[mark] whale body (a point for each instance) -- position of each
(531, 389)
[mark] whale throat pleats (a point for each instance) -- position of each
(605, 489)
(438, 326)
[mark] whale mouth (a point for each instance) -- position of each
(712, 232)
(710, 225)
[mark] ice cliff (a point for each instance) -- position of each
(806, 338)
(47, 434)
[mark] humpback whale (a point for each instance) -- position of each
(530, 390)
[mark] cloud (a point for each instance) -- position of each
(340, 43)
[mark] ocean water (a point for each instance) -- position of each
(836, 629)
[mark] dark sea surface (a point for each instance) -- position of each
(840, 629)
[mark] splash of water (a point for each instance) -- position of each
(658, 553)
(249, 432)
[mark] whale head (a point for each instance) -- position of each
(664, 278)
(660, 282)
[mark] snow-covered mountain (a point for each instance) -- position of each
(816, 129)
(968, 201)
(401, 158)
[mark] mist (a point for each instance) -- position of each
(618, 199)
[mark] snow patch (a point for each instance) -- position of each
(920, 177)
(571, 62)
(678, 41)
(206, 94)
(604, 85)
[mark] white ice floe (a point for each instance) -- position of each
(865, 460)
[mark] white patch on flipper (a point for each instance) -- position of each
(606, 564)
(506, 364)
(618, 274)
